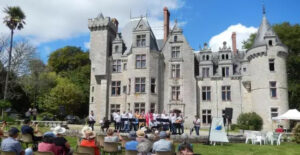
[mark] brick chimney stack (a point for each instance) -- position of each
(166, 23)
(233, 37)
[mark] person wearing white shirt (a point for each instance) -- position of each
(117, 119)
(173, 120)
(92, 120)
(165, 124)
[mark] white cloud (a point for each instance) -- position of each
(63, 19)
(87, 45)
(242, 33)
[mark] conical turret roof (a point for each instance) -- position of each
(265, 29)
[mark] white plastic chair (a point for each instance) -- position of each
(269, 137)
(250, 135)
(258, 139)
(278, 140)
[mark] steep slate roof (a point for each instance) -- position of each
(265, 29)
(130, 27)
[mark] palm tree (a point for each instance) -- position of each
(14, 19)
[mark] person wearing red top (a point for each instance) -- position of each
(47, 144)
(89, 139)
(149, 117)
(279, 129)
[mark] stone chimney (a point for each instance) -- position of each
(233, 37)
(166, 23)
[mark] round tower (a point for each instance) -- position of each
(267, 66)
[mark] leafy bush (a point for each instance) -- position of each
(234, 126)
(250, 121)
(296, 133)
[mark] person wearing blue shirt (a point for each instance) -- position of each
(10, 144)
(163, 144)
(131, 145)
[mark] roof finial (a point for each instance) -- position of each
(264, 9)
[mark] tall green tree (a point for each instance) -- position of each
(290, 36)
(14, 19)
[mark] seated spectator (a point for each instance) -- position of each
(140, 136)
(162, 144)
(2, 128)
(185, 141)
(144, 145)
(168, 138)
(62, 146)
(10, 144)
(89, 139)
(186, 149)
(279, 129)
(27, 129)
(47, 144)
(110, 136)
(132, 144)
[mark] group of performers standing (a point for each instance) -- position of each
(127, 121)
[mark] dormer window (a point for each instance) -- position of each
(116, 49)
(175, 38)
(226, 56)
(222, 56)
(141, 40)
(203, 57)
(270, 43)
(207, 57)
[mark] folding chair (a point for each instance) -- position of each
(164, 153)
(27, 139)
(84, 149)
(8, 153)
(130, 152)
(43, 153)
(111, 148)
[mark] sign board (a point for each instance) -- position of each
(217, 131)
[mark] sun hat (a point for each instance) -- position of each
(49, 134)
(87, 132)
(58, 130)
(140, 133)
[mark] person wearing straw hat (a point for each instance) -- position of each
(60, 141)
(89, 139)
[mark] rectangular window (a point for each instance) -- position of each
(92, 88)
(116, 66)
(175, 70)
(92, 99)
(226, 94)
(225, 71)
(129, 86)
(152, 107)
(225, 119)
(141, 40)
(140, 61)
(206, 116)
(205, 72)
(125, 66)
(140, 107)
(206, 93)
(115, 88)
(140, 85)
(114, 108)
(175, 93)
(273, 90)
(274, 112)
(124, 89)
(175, 52)
(271, 65)
(153, 85)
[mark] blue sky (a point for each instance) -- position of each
(55, 24)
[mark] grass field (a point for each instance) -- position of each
(237, 149)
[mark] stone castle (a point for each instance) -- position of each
(134, 71)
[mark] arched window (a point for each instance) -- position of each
(116, 49)
(226, 56)
(222, 56)
(207, 57)
(270, 43)
(175, 38)
(203, 57)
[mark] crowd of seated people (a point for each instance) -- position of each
(50, 141)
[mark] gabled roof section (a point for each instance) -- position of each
(142, 25)
(265, 29)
